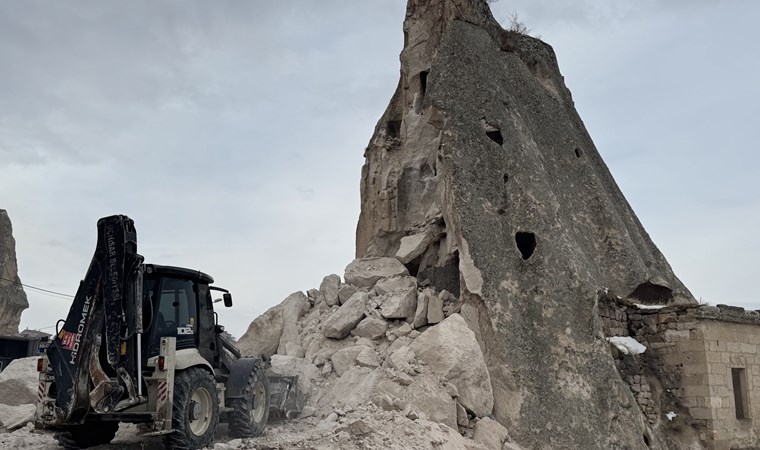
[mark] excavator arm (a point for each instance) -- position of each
(106, 312)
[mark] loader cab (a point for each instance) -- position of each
(177, 302)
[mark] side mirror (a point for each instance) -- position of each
(227, 299)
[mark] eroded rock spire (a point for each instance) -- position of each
(482, 179)
(12, 297)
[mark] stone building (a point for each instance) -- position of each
(701, 369)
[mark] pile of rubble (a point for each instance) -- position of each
(388, 346)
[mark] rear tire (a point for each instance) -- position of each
(250, 414)
(195, 411)
(87, 435)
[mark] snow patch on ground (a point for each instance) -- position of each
(627, 345)
(671, 415)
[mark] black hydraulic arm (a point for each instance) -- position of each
(107, 309)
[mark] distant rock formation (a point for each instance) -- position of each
(481, 178)
(12, 297)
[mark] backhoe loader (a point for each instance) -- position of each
(142, 344)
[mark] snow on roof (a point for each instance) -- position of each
(649, 306)
(627, 345)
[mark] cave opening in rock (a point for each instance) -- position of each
(578, 153)
(393, 129)
(652, 294)
(526, 243)
(495, 135)
(423, 82)
(443, 275)
(506, 178)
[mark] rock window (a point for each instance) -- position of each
(741, 400)
(526, 243)
(578, 153)
(492, 132)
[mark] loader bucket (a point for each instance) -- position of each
(285, 397)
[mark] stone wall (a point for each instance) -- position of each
(691, 351)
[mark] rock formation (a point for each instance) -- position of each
(12, 297)
(482, 179)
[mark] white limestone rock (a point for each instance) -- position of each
(368, 358)
(365, 272)
(371, 328)
(329, 288)
(19, 382)
(345, 358)
(399, 304)
(293, 308)
(451, 350)
(435, 309)
(345, 319)
(420, 314)
(345, 292)
(490, 433)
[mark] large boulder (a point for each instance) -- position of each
(365, 272)
(420, 314)
(399, 304)
(293, 308)
(329, 287)
(19, 382)
(451, 351)
(490, 433)
(12, 297)
(342, 321)
(276, 330)
(371, 328)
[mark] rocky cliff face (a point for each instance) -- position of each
(481, 178)
(12, 297)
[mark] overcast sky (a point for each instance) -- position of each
(233, 132)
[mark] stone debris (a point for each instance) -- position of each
(380, 351)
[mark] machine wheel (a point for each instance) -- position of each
(250, 414)
(195, 412)
(88, 434)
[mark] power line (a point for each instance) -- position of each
(38, 289)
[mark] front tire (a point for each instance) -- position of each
(195, 411)
(251, 412)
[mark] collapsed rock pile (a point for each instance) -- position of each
(381, 339)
